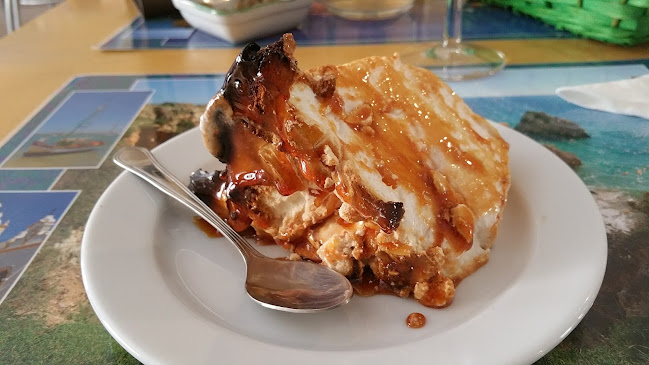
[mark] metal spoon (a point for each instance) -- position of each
(292, 286)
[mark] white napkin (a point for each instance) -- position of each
(628, 97)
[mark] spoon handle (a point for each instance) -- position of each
(142, 163)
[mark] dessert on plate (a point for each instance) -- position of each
(374, 168)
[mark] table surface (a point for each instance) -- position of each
(320, 27)
(52, 51)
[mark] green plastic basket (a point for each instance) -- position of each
(613, 21)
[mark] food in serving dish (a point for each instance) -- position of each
(374, 168)
(239, 21)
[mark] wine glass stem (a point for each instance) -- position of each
(453, 23)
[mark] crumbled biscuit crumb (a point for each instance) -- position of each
(348, 213)
(420, 289)
(323, 81)
(368, 130)
(367, 120)
(328, 183)
(328, 157)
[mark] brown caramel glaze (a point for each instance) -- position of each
(402, 273)
(253, 155)
(227, 199)
(386, 214)
(207, 228)
(212, 232)
(398, 276)
(437, 296)
(367, 284)
(415, 320)
(303, 248)
(237, 209)
(258, 82)
(260, 139)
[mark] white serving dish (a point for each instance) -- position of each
(171, 295)
(237, 26)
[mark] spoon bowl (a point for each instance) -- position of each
(303, 284)
(292, 286)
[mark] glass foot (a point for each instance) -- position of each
(460, 61)
(368, 9)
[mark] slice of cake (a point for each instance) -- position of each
(374, 168)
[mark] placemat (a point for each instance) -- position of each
(58, 163)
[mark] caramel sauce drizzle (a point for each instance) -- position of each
(207, 228)
(387, 104)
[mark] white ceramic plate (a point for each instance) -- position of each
(170, 295)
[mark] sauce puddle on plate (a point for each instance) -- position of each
(415, 320)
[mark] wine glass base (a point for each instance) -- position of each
(460, 61)
(368, 9)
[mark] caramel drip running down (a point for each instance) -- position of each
(206, 227)
(257, 89)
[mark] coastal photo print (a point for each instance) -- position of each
(80, 132)
(26, 221)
